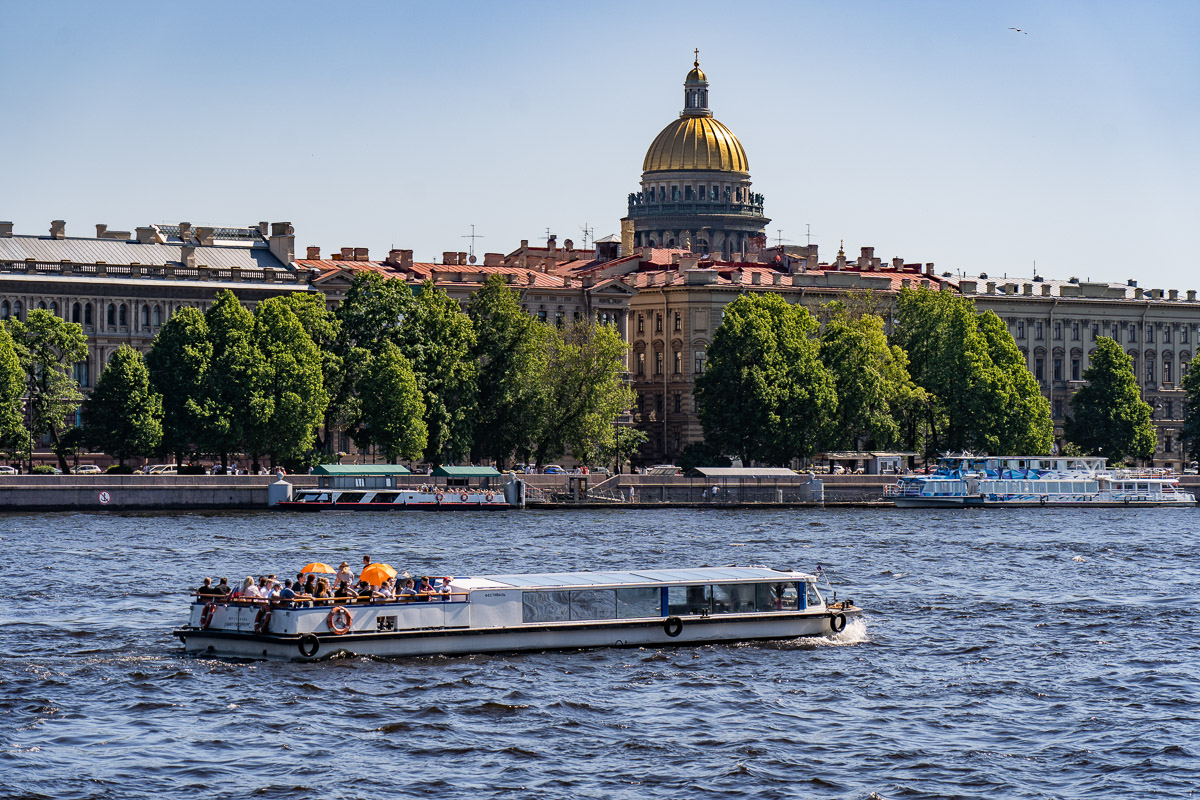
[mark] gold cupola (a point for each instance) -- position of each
(696, 141)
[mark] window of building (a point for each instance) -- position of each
(157, 316)
(688, 193)
(1095, 332)
(559, 318)
(1183, 334)
(641, 403)
(678, 362)
(658, 363)
(1058, 408)
(678, 321)
(1167, 334)
(1170, 409)
(678, 402)
(698, 364)
(76, 313)
(641, 363)
(87, 314)
(541, 315)
(1058, 330)
(81, 374)
(702, 192)
(1168, 445)
(18, 309)
(145, 316)
(1058, 369)
(1166, 370)
(641, 323)
(1149, 370)
(658, 402)
(54, 308)
(658, 323)
(1074, 369)
(674, 194)
(1149, 334)
(1075, 331)
(1020, 329)
(1037, 329)
(1039, 369)
(112, 316)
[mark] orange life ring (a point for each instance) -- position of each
(464, 497)
(439, 496)
(262, 619)
(489, 497)
(206, 615)
(339, 614)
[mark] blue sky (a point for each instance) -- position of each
(927, 130)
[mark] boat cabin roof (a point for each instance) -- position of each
(353, 470)
(465, 472)
(646, 577)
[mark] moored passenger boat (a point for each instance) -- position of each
(982, 481)
(390, 487)
(503, 613)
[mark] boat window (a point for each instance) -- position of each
(733, 598)
(350, 497)
(385, 497)
(814, 597)
(594, 604)
(778, 596)
(639, 601)
(689, 599)
(1143, 487)
(546, 606)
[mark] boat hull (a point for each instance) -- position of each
(625, 633)
(975, 502)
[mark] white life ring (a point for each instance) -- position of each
(464, 497)
(489, 497)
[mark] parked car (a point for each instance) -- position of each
(7, 470)
(86, 469)
(161, 469)
(553, 469)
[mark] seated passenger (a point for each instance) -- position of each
(425, 590)
(444, 589)
(206, 590)
(365, 592)
(321, 593)
(408, 593)
(343, 591)
(249, 590)
(286, 594)
(388, 590)
(222, 587)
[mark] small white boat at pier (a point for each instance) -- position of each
(998, 482)
(507, 613)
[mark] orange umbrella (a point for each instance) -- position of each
(376, 574)
(319, 568)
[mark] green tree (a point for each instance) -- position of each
(512, 352)
(875, 393)
(289, 388)
(14, 438)
(586, 392)
(48, 348)
(1108, 416)
(324, 328)
(392, 409)
(230, 403)
(123, 416)
(1191, 422)
(982, 395)
(765, 396)
(178, 362)
(437, 338)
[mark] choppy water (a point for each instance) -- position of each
(1006, 654)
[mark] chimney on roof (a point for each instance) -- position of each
(204, 235)
(462, 259)
(756, 278)
(185, 231)
(361, 254)
(347, 254)
(262, 227)
(6, 229)
(1191, 293)
(898, 264)
(100, 230)
(569, 247)
(282, 241)
(449, 257)
(1045, 290)
(529, 278)
(493, 259)
(187, 256)
(929, 268)
(147, 235)
(58, 229)
(552, 243)
(406, 260)
(314, 253)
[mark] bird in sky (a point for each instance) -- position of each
(1018, 30)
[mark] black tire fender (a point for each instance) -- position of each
(837, 622)
(309, 645)
(673, 626)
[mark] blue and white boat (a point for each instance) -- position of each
(504, 613)
(991, 481)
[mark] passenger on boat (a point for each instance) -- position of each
(248, 591)
(206, 589)
(425, 590)
(344, 575)
(365, 592)
(388, 590)
(408, 593)
(343, 591)
(310, 584)
(444, 589)
(222, 587)
(321, 593)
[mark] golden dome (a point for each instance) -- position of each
(696, 74)
(699, 143)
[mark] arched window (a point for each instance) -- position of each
(112, 316)
(145, 316)
(76, 313)
(54, 308)
(42, 305)
(124, 315)
(157, 316)
(87, 314)
(5, 310)
(18, 309)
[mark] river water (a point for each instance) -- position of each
(1004, 653)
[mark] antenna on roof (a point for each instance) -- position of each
(587, 233)
(473, 236)
(807, 233)
(779, 240)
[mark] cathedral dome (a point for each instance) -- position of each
(696, 143)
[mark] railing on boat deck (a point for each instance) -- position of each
(329, 602)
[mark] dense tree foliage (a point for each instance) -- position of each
(48, 348)
(178, 363)
(1191, 422)
(512, 351)
(766, 396)
(877, 400)
(123, 415)
(982, 395)
(393, 411)
(14, 438)
(1108, 416)
(290, 394)
(229, 405)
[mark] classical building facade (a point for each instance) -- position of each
(695, 190)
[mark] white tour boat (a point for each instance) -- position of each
(504, 613)
(985, 481)
(391, 487)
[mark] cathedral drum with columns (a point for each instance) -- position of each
(696, 184)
